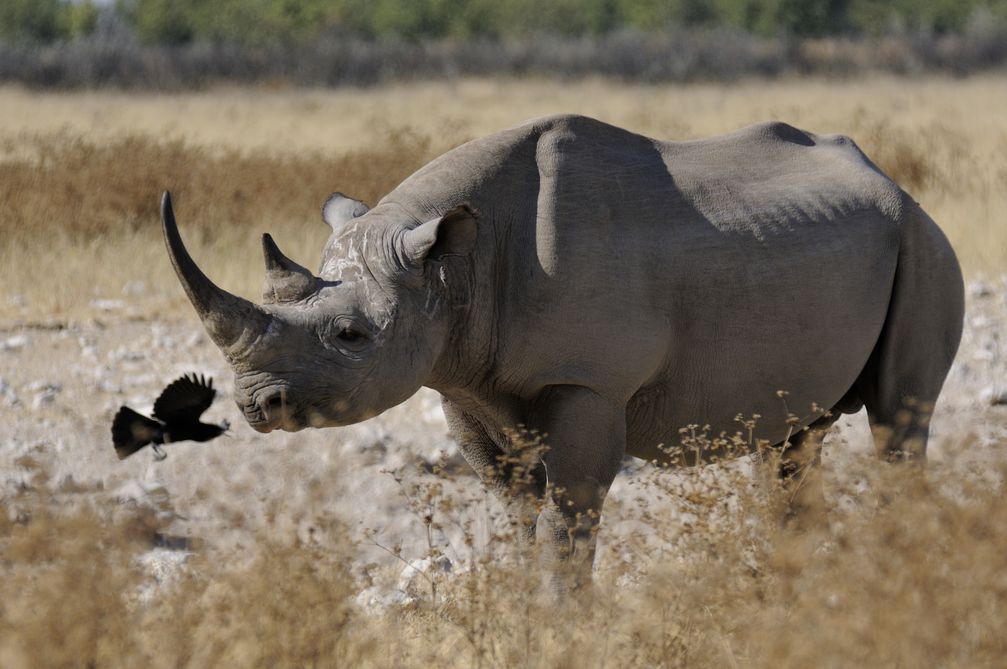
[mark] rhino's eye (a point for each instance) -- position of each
(350, 336)
(345, 335)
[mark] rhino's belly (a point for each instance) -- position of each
(667, 425)
(717, 411)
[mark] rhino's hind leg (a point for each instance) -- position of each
(797, 467)
(918, 342)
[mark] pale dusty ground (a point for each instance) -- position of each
(60, 388)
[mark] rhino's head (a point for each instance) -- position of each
(341, 347)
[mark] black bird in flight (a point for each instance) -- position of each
(177, 413)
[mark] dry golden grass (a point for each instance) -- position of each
(83, 171)
(916, 580)
(81, 218)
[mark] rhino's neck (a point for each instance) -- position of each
(494, 176)
(467, 352)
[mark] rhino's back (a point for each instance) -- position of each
(577, 172)
(759, 180)
(772, 177)
(768, 193)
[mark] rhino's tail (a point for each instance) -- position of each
(918, 342)
(132, 431)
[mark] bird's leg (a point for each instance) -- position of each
(159, 453)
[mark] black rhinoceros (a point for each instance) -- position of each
(606, 289)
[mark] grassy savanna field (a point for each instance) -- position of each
(82, 171)
(287, 550)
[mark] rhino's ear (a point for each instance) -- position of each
(453, 234)
(339, 210)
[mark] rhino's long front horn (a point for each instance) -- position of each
(226, 317)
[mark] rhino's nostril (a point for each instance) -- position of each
(272, 405)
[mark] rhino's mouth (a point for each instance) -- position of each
(282, 416)
(292, 422)
(264, 417)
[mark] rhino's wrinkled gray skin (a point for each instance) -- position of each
(607, 289)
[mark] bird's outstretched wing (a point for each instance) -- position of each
(185, 399)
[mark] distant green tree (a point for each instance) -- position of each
(407, 19)
(647, 15)
(78, 19)
(160, 21)
(812, 17)
(658, 15)
(476, 18)
(941, 16)
(235, 21)
(45, 20)
(763, 17)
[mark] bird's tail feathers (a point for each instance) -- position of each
(132, 431)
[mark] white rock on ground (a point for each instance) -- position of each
(45, 392)
(15, 343)
(107, 305)
(8, 393)
(994, 396)
(980, 288)
(134, 288)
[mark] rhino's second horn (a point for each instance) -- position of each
(286, 281)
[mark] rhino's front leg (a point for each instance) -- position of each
(586, 439)
(518, 485)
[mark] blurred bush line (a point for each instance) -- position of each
(259, 22)
(184, 43)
